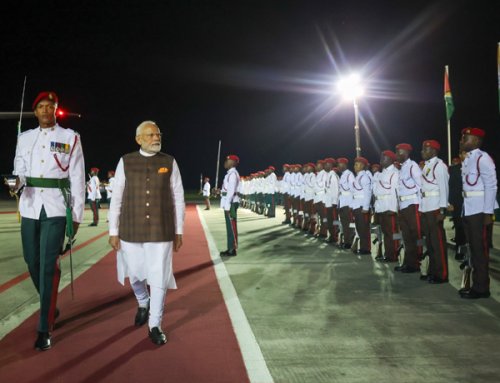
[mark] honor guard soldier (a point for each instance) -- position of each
(345, 201)
(456, 203)
(230, 202)
(362, 195)
(206, 192)
(94, 195)
(433, 208)
(270, 182)
(49, 164)
(410, 181)
(286, 194)
(479, 189)
(109, 186)
(331, 200)
(318, 210)
(309, 183)
(386, 204)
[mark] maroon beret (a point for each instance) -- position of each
(233, 157)
(51, 96)
(404, 147)
(342, 160)
(362, 160)
(390, 154)
(432, 143)
(474, 132)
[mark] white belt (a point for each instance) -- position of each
(430, 194)
(358, 196)
(478, 193)
(383, 196)
(407, 197)
(345, 193)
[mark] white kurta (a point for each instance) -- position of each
(149, 260)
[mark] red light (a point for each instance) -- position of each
(61, 112)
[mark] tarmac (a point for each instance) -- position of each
(318, 313)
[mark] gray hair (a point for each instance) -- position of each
(142, 125)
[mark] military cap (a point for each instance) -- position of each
(233, 157)
(474, 132)
(51, 96)
(404, 146)
(432, 144)
(390, 154)
(362, 160)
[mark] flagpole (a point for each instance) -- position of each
(498, 69)
(448, 100)
(218, 164)
(449, 143)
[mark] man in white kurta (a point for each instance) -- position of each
(148, 202)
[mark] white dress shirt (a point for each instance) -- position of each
(331, 189)
(345, 188)
(385, 190)
(94, 187)
(362, 190)
(230, 189)
(206, 189)
(410, 183)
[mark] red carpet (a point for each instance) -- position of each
(95, 340)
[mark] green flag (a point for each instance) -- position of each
(448, 99)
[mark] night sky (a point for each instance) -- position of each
(259, 75)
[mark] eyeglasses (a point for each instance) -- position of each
(151, 135)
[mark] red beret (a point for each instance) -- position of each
(320, 161)
(390, 154)
(404, 147)
(362, 160)
(51, 96)
(233, 157)
(94, 170)
(432, 143)
(474, 132)
(311, 164)
(376, 166)
(271, 168)
(342, 160)
(286, 165)
(330, 160)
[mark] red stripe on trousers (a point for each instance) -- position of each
(443, 253)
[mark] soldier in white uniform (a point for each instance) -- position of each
(309, 183)
(206, 192)
(230, 202)
(94, 195)
(331, 199)
(345, 201)
(146, 221)
(270, 190)
(479, 189)
(319, 211)
(433, 208)
(49, 163)
(385, 187)
(410, 181)
(362, 195)
(285, 189)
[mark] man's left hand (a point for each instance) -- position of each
(76, 225)
(177, 242)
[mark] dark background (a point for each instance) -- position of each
(258, 75)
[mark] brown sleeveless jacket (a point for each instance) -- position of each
(147, 212)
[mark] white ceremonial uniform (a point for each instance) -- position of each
(230, 189)
(206, 189)
(410, 183)
(50, 153)
(270, 181)
(285, 183)
(109, 188)
(362, 190)
(434, 185)
(479, 183)
(320, 186)
(94, 187)
(345, 188)
(309, 184)
(331, 189)
(385, 190)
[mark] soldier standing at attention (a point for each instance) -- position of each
(410, 181)
(386, 204)
(433, 208)
(94, 196)
(362, 195)
(331, 200)
(230, 202)
(456, 203)
(480, 188)
(206, 192)
(49, 164)
(287, 204)
(345, 201)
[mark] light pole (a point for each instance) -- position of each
(351, 89)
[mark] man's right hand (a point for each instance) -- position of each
(114, 241)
